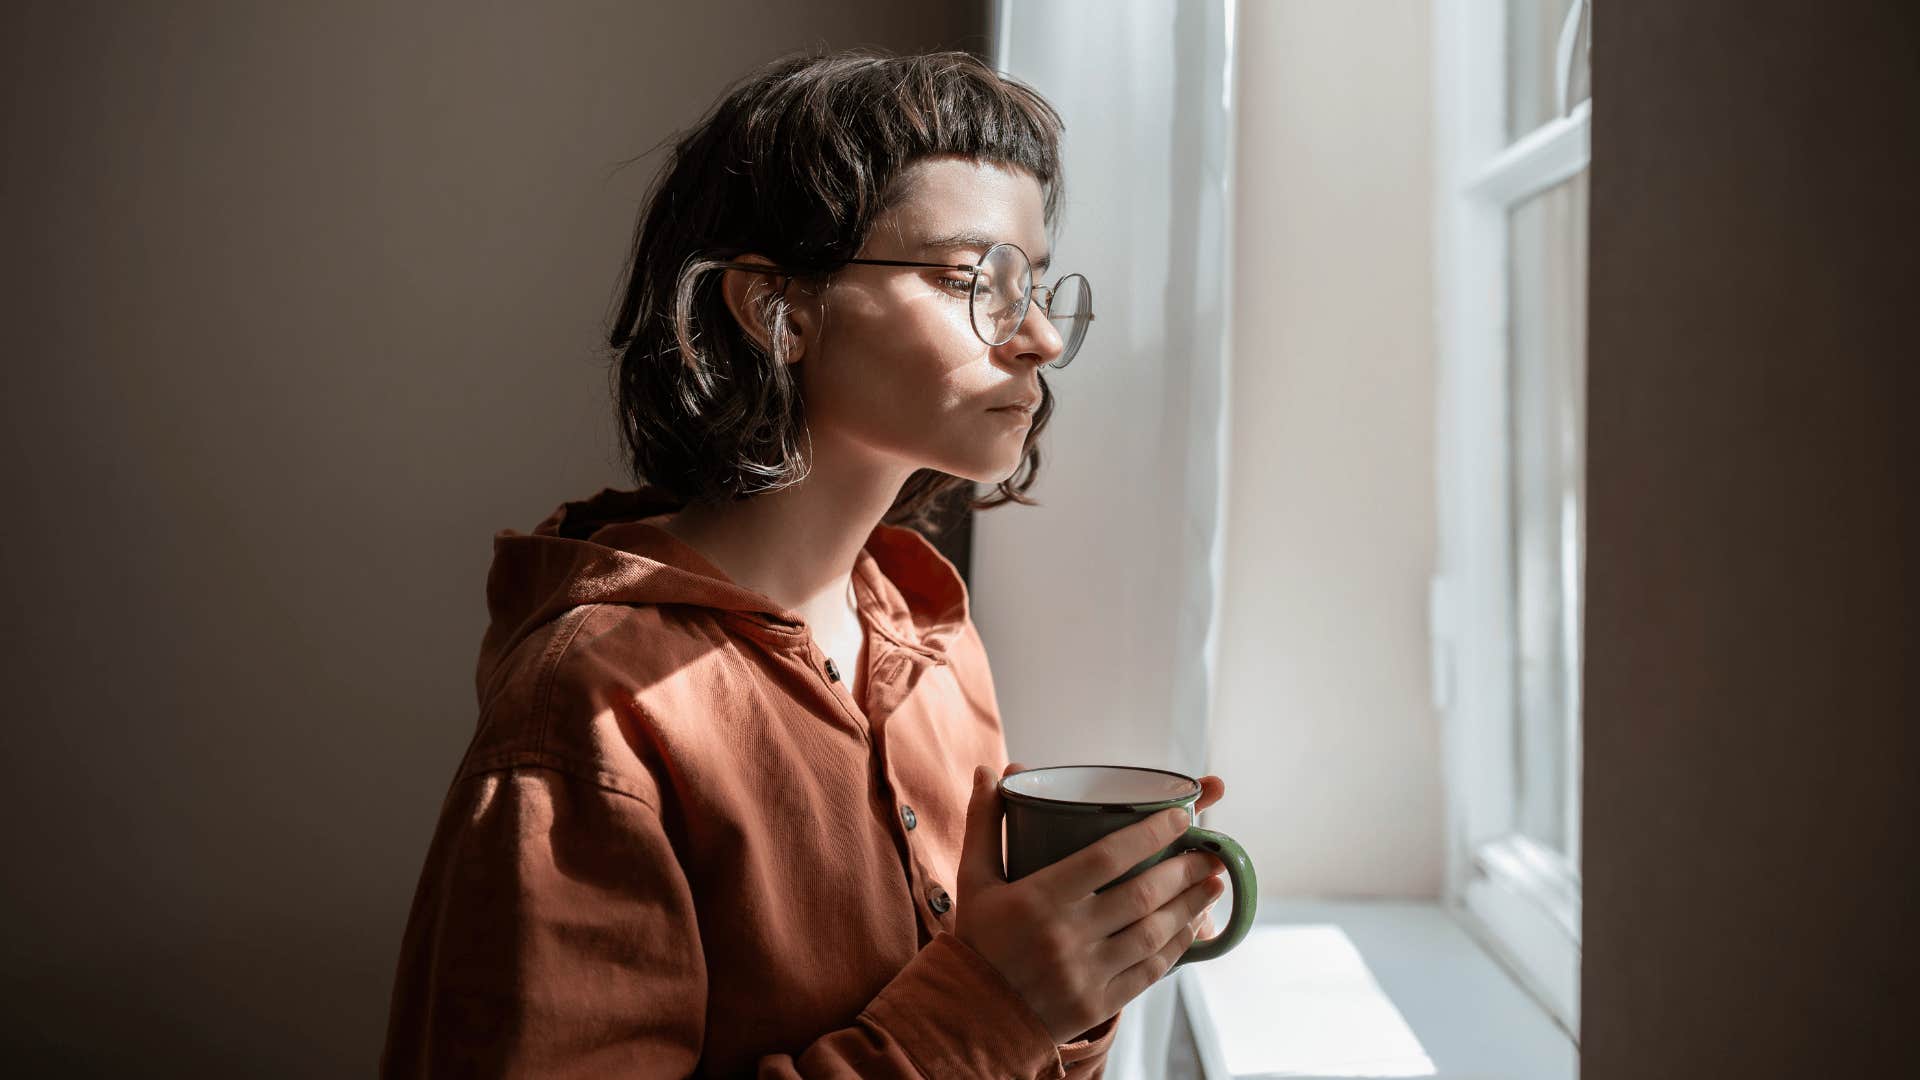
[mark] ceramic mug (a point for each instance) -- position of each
(1056, 811)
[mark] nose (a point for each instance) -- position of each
(1037, 339)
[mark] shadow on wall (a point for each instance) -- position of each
(315, 297)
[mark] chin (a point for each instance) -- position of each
(982, 472)
(1006, 473)
(979, 462)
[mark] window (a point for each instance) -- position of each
(1513, 104)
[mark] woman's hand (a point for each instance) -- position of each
(1074, 954)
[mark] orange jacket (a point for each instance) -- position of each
(677, 847)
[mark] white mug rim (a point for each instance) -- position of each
(1084, 805)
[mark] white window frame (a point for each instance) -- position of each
(1519, 898)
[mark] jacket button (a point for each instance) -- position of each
(832, 671)
(940, 900)
(906, 814)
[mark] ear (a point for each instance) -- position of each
(748, 295)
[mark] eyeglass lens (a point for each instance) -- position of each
(1003, 290)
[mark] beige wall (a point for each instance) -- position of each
(1323, 672)
(302, 307)
(1752, 706)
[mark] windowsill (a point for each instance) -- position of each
(1366, 988)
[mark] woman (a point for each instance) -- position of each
(712, 822)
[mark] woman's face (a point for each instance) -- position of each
(894, 369)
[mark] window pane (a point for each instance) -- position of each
(1547, 269)
(1533, 43)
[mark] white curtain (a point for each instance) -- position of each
(1099, 607)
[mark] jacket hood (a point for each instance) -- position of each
(602, 550)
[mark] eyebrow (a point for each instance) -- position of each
(975, 240)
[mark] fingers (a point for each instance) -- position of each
(1134, 980)
(1211, 789)
(1203, 926)
(980, 850)
(1124, 905)
(1100, 862)
(1146, 938)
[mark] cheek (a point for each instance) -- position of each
(901, 374)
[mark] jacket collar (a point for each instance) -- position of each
(603, 550)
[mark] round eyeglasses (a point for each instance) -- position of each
(1001, 293)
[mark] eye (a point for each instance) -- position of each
(959, 286)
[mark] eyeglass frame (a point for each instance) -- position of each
(973, 291)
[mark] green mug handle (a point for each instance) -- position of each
(1246, 892)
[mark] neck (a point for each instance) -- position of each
(797, 546)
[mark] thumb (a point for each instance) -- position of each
(980, 851)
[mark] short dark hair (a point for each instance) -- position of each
(795, 162)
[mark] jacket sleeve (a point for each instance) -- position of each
(1086, 1057)
(554, 934)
